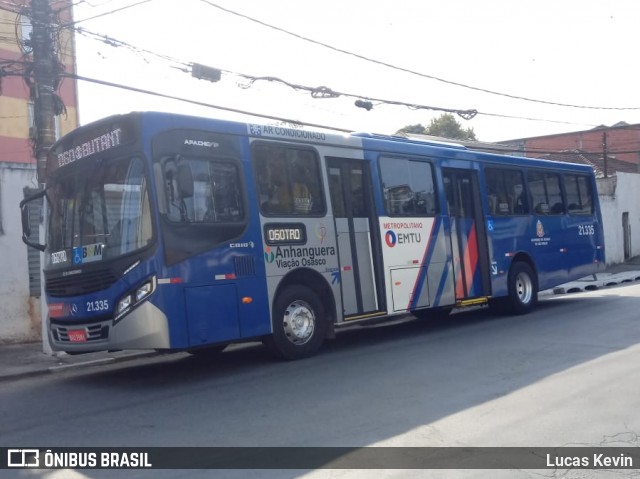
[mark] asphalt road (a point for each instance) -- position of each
(565, 375)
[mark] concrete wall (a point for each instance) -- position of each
(19, 313)
(618, 195)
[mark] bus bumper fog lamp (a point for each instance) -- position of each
(124, 303)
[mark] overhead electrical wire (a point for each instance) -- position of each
(316, 92)
(113, 42)
(106, 13)
(289, 120)
(364, 101)
(11, 7)
(407, 70)
(200, 103)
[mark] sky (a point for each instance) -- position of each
(529, 68)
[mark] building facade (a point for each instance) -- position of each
(20, 314)
(617, 143)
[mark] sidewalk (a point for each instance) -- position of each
(28, 359)
(626, 272)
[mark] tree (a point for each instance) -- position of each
(418, 129)
(445, 126)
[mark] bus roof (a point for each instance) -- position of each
(366, 141)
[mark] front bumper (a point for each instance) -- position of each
(146, 327)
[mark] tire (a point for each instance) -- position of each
(523, 289)
(299, 325)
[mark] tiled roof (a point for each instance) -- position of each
(595, 160)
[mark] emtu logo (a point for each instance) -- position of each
(268, 255)
(390, 238)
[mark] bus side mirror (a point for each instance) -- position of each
(26, 224)
(185, 180)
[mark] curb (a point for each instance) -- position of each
(589, 283)
(61, 368)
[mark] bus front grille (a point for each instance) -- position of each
(82, 283)
(94, 332)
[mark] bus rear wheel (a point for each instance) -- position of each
(299, 325)
(523, 290)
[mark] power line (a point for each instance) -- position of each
(324, 92)
(74, 4)
(113, 42)
(10, 7)
(106, 13)
(316, 92)
(289, 120)
(515, 117)
(199, 103)
(407, 70)
(544, 151)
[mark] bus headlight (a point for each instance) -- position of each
(144, 291)
(134, 297)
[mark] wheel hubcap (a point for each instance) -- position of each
(299, 322)
(524, 288)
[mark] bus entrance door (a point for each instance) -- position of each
(358, 249)
(469, 248)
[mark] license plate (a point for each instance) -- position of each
(77, 336)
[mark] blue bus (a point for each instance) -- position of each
(172, 232)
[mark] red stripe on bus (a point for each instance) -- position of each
(471, 257)
(412, 297)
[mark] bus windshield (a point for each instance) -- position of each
(99, 211)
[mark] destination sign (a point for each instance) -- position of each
(285, 233)
(99, 144)
(88, 141)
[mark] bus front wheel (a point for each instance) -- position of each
(523, 289)
(299, 325)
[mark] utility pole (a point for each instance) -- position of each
(45, 72)
(604, 152)
(45, 79)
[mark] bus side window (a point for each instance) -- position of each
(520, 200)
(546, 193)
(302, 199)
(271, 174)
(174, 210)
(506, 195)
(288, 180)
(579, 195)
(542, 209)
(407, 187)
